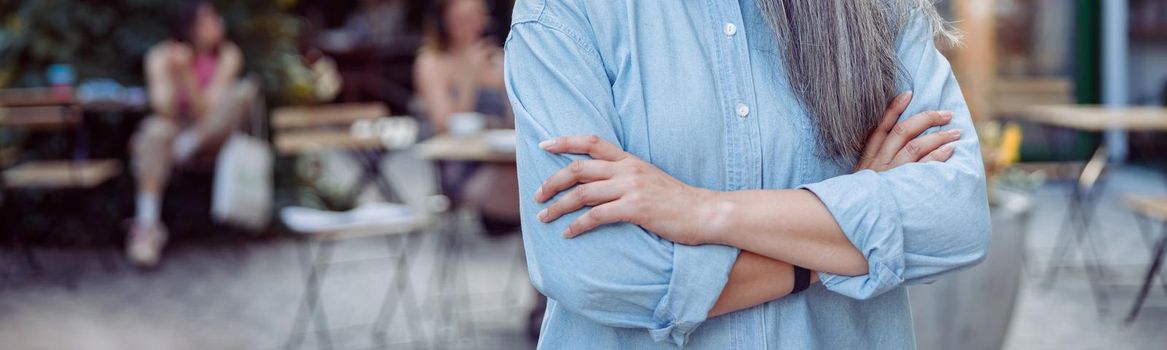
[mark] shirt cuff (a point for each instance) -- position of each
(699, 275)
(865, 208)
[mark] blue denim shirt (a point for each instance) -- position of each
(696, 88)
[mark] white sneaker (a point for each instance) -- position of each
(144, 244)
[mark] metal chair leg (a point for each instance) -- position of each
(1094, 267)
(519, 263)
(30, 257)
(1062, 245)
(1145, 228)
(463, 292)
(16, 239)
(446, 269)
(388, 304)
(454, 290)
(1075, 235)
(401, 289)
(1147, 231)
(1156, 264)
(441, 267)
(1087, 247)
(371, 175)
(410, 301)
(1089, 213)
(308, 308)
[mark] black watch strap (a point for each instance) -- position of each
(801, 279)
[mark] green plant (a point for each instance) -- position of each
(108, 39)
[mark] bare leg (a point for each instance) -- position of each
(210, 131)
(150, 149)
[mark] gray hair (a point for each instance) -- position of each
(840, 58)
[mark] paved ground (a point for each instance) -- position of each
(1064, 315)
(230, 296)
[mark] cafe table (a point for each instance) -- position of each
(491, 146)
(306, 129)
(1075, 233)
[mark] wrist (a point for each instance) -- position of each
(714, 215)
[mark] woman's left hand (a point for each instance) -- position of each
(622, 188)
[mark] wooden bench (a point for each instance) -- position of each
(56, 174)
(39, 109)
(40, 117)
(37, 97)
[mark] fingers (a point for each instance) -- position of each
(580, 171)
(593, 146)
(908, 129)
(583, 195)
(924, 145)
(939, 155)
(877, 136)
(607, 213)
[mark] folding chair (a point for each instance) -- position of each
(453, 299)
(1075, 233)
(399, 224)
(451, 281)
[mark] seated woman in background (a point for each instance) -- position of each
(459, 70)
(197, 100)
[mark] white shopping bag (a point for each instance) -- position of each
(243, 183)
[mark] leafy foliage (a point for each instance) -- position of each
(108, 39)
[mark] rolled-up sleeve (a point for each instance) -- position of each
(918, 221)
(618, 275)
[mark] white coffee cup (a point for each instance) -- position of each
(466, 123)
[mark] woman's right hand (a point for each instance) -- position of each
(476, 58)
(892, 144)
(181, 57)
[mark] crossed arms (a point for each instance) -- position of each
(621, 275)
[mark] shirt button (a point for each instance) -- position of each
(730, 29)
(743, 110)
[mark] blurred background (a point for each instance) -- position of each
(307, 174)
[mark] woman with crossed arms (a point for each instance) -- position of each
(739, 174)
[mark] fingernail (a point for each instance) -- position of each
(567, 234)
(542, 215)
(954, 133)
(947, 116)
(906, 96)
(539, 195)
(547, 144)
